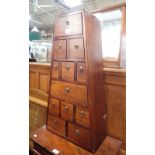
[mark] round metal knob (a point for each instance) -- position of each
(76, 46)
(67, 67)
(77, 132)
(81, 69)
(81, 113)
(55, 66)
(59, 45)
(65, 109)
(66, 90)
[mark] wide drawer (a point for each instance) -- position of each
(79, 135)
(68, 25)
(56, 125)
(69, 92)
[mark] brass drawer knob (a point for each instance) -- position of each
(77, 132)
(65, 109)
(67, 22)
(81, 113)
(66, 90)
(81, 69)
(76, 46)
(67, 67)
(59, 46)
(55, 66)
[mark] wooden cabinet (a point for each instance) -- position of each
(76, 81)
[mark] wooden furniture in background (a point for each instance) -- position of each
(43, 137)
(115, 92)
(38, 97)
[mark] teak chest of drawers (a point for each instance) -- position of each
(76, 109)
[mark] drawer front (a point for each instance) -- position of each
(55, 70)
(56, 125)
(67, 111)
(81, 72)
(76, 48)
(82, 116)
(59, 49)
(68, 71)
(79, 135)
(54, 107)
(69, 25)
(71, 93)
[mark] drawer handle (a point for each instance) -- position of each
(36, 152)
(81, 69)
(55, 66)
(55, 121)
(76, 46)
(67, 22)
(65, 109)
(77, 132)
(81, 113)
(59, 46)
(67, 67)
(66, 90)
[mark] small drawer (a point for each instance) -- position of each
(54, 107)
(68, 25)
(59, 49)
(82, 116)
(79, 135)
(56, 125)
(55, 70)
(68, 71)
(68, 92)
(75, 49)
(81, 72)
(67, 111)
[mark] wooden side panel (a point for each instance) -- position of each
(44, 82)
(33, 79)
(95, 81)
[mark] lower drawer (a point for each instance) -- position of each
(56, 125)
(79, 135)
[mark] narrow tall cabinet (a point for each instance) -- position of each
(76, 108)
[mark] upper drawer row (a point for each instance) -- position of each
(68, 25)
(71, 49)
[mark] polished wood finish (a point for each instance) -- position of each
(54, 107)
(50, 141)
(69, 92)
(82, 116)
(81, 72)
(68, 25)
(68, 71)
(79, 135)
(59, 49)
(67, 111)
(55, 70)
(76, 48)
(56, 125)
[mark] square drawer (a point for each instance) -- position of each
(59, 49)
(68, 92)
(81, 72)
(54, 107)
(56, 125)
(82, 116)
(79, 135)
(55, 70)
(67, 111)
(76, 48)
(68, 71)
(68, 25)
